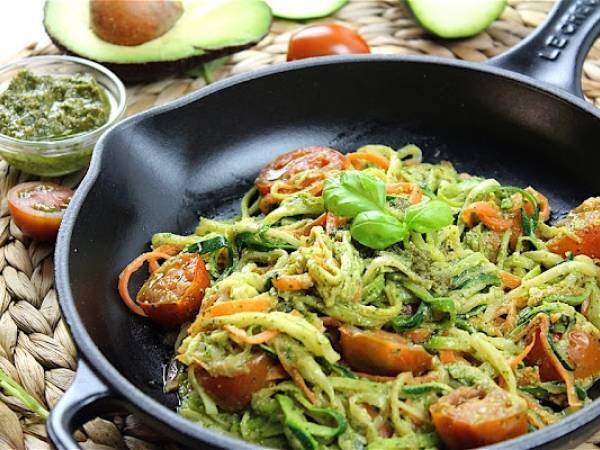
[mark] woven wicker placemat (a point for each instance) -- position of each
(35, 346)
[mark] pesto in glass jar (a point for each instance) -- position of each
(45, 107)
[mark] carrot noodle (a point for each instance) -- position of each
(380, 336)
(369, 157)
(568, 378)
(320, 221)
(487, 213)
(521, 356)
(509, 280)
(532, 418)
(293, 282)
(402, 187)
(415, 195)
(169, 249)
(448, 356)
(256, 304)
(255, 339)
(298, 380)
(334, 222)
(543, 205)
(129, 270)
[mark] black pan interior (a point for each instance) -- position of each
(160, 172)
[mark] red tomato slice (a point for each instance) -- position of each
(173, 293)
(382, 353)
(584, 353)
(323, 40)
(284, 167)
(584, 222)
(234, 393)
(471, 417)
(37, 207)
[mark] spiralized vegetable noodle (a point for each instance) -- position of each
(376, 301)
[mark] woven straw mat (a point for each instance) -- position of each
(35, 346)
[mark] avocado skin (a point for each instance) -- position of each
(132, 73)
(141, 72)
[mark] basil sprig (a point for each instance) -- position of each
(361, 197)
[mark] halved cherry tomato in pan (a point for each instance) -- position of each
(382, 353)
(584, 353)
(37, 207)
(472, 417)
(323, 40)
(583, 222)
(173, 293)
(283, 168)
(234, 393)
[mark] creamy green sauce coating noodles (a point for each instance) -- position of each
(381, 302)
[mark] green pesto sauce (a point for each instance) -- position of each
(44, 107)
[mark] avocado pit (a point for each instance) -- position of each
(133, 22)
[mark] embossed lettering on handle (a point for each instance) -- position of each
(554, 53)
(569, 24)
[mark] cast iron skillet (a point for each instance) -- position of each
(520, 118)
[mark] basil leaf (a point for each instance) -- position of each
(377, 230)
(430, 216)
(351, 192)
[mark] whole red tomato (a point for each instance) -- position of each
(323, 40)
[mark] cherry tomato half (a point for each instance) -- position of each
(323, 40)
(284, 168)
(234, 393)
(37, 207)
(583, 221)
(584, 353)
(173, 293)
(382, 353)
(471, 417)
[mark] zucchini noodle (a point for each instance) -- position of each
(326, 343)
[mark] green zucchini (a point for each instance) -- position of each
(566, 364)
(259, 241)
(456, 18)
(304, 9)
(443, 304)
(437, 342)
(405, 322)
(425, 388)
(572, 300)
(211, 246)
(208, 245)
(464, 324)
(305, 431)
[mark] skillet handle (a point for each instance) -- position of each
(85, 399)
(554, 53)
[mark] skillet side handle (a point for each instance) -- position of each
(82, 401)
(554, 53)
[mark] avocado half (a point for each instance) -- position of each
(207, 29)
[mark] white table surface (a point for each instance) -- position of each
(20, 24)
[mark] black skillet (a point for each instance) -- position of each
(520, 118)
